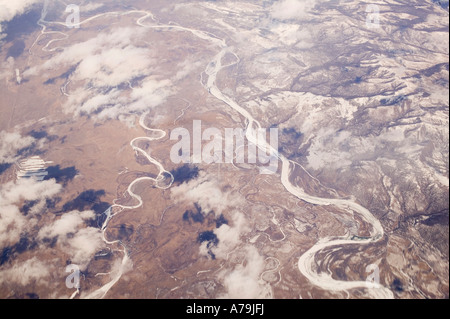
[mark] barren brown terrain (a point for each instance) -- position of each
(362, 160)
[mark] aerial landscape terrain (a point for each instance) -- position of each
(274, 149)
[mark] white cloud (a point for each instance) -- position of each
(292, 9)
(288, 34)
(74, 238)
(12, 224)
(12, 195)
(68, 223)
(186, 67)
(207, 193)
(106, 65)
(7, 69)
(244, 282)
(230, 236)
(91, 7)
(28, 190)
(26, 272)
(11, 143)
(84, 245)
(102, 54)
(9, 9)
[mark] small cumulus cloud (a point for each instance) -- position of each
(244, 280)
(292, 9)
(240, 281)
(291, 34)
(9, 9)
(230, 235)
(11, 143)
(68, 223)
(7, 69)
(13, 224)
(114, 75)
(74, 238)
(186, 67)
(71, 238)
(206, 191)
(27, 272)
(91, 7)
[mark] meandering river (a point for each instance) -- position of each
(306, 261)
